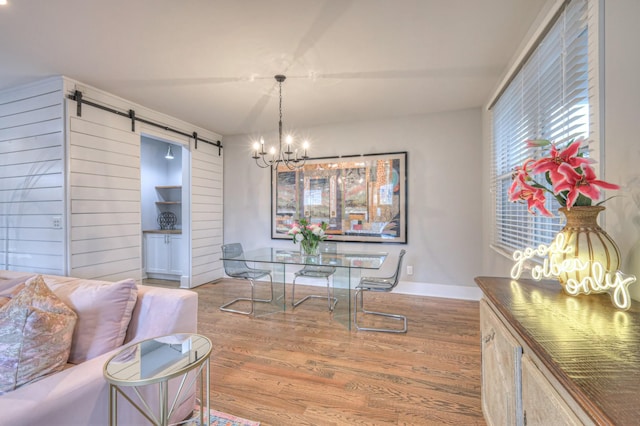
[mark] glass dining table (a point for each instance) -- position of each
(349, 266)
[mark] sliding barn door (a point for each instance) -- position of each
(104, 195)
(206, 213)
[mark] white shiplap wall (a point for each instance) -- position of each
(70, 186)
(104, 174)
(206, 213)
(32, 185)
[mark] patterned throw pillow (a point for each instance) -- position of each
(35, 335)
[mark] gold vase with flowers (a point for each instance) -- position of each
(570, 178)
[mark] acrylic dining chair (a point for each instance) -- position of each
(317, 271)
(236, 267)
(378, 284)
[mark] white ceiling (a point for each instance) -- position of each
(212, 62)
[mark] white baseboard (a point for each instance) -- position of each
(427, 289)
(439, 290)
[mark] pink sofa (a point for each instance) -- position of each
(79, 394)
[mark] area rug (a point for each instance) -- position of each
(218, 418)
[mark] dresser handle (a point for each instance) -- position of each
(490, 336)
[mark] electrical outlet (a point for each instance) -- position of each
(56, 222)
(409, 269)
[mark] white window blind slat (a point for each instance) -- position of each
(551, 97)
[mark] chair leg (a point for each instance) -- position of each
(332, 301)
(293, 293)
(252, 299)
(331, 298)
(383, 314)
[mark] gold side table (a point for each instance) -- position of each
(155, 362)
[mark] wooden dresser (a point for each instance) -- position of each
(553, 359)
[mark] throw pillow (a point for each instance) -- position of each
(104, 309)
(35, 335)
(7, 283)
(7, 295)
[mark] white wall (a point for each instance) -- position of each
(444, 221)
(621, 154)
(32, 180)
(621, 114)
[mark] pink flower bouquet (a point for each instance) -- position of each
(308, 234)
(570, 178)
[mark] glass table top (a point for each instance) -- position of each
(341, 259)
(154, 360)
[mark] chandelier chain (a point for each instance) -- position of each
(280, 120)
(280, 83)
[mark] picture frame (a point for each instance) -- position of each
(362, 198)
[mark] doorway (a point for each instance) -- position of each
(165, 217)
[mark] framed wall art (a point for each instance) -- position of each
(362, 198)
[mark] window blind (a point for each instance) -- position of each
(551, 96)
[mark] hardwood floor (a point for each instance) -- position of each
(303, 368)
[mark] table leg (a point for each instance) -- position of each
(207, 389)
(163, 401)
(202, 407)
(113, 405)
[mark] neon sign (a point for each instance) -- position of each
(597, 281)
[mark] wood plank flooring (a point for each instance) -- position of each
(302, 368)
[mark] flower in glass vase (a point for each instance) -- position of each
(309, 235)
(568, 176)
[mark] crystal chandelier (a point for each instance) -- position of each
(288, 156)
